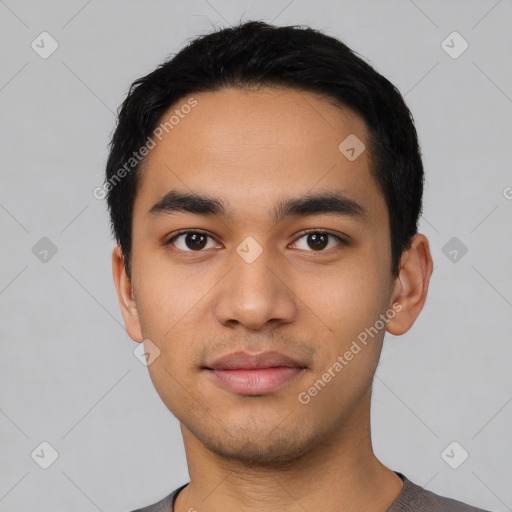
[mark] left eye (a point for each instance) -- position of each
(319, 240)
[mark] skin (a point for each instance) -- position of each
(253, 148)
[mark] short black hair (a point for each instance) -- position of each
(255, 53)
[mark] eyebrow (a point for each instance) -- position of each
(310, 204)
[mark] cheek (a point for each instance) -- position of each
(169, 307)
(348, 349)
(346, 302)
(173, 372)
(166, 295)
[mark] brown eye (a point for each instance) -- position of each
(319, 240)
(190, 241)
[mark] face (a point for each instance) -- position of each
(261, 264)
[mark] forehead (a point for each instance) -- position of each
(253, 146)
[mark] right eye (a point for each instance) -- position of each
(189, 241)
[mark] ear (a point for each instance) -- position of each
(411, 285)
(125, 296)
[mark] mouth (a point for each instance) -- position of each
(254, 374)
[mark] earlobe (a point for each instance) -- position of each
(125, 296)
(411, 285)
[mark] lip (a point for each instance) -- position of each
(254, 374)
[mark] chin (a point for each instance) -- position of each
(252, 446)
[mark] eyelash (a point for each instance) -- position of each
(303, 234)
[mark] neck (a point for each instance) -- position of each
(339, 473)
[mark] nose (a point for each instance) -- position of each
(256, 293)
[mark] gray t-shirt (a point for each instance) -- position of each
(412, 498)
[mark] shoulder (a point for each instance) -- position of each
(414, 498)
(164, 505)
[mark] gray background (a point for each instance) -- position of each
(68, 373)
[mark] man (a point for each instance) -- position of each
(264, 188)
